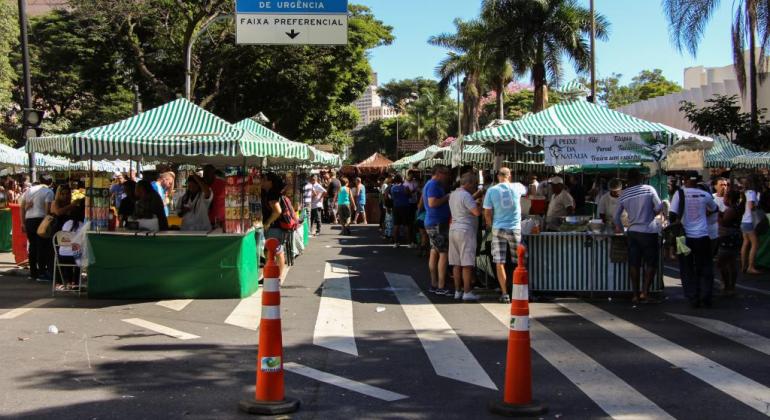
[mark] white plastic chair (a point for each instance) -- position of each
(61, 239)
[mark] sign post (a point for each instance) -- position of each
(291, 22)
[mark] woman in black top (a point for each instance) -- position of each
(149, 204)
(730, 239)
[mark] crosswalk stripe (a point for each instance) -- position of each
(161, 329)
(447, 353)
(345, 383)
(17, 312)
(749, 392)
(334, 325)
(731, 332)
(753, 289)
(248, 312)
(177, 304)
(617, 398)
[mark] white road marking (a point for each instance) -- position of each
(447, 353)
(617, 398)
(248, 312)
(15, 313)
(334, 325)
(748, 391)
(753, 289)
(161, 329)
(345, 383)
(731, 332)
(177, 304)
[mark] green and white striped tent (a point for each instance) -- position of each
(311, 156)
(757, 160)
(424, 154)
(472, 154)
(575, 117)
(724, 154)
(178, 131)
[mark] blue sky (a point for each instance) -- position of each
(639, 38)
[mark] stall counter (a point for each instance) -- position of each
(173, 265)
(580, 262)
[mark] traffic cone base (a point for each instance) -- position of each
(269, 408)
(532, 409)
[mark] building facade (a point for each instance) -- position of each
(370, 106)
(700, 84)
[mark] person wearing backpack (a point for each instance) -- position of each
(273, 217)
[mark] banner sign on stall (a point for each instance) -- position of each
(602, 149)
(411, 145)
(291, 22)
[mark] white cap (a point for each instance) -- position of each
(556, 180)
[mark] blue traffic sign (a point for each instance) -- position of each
(292, 6)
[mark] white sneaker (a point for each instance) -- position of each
(458, 294)
(396, 245)
(412, 246)
(470, 297)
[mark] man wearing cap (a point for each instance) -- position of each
(608, 203)
(642, 204)
(561, 205)
(502, 211)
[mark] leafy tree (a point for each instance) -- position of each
(517, 105)
(378, 136)
(540, 34)
(723, 117)
(436, 113)
(9, 35)
(647, 84)
(396, 93)
(687, 21)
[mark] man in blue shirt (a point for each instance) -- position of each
(399, 193)
(502, 211)
(436, 203)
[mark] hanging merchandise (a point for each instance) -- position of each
(98, 201)
(254, 197)
(236, 206)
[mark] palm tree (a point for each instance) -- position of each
(538, 34)
(463, 61)
(687, 20)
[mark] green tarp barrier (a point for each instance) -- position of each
(172, 266)
(6, 231)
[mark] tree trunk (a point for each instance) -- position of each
(753, 74)
(501, 99)
(541, 87)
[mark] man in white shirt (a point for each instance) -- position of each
(462, 236)
(608, 202)
(561, 205)
(35, 204)
(317, 194)
(696, 268)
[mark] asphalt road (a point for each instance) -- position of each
(396, 353)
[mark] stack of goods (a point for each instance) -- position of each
(235, 221)
(98, 202)
(254, 197)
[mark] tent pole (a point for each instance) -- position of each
(91, 189)
(243, 194)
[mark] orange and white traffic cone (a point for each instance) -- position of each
(517, 396)
(270, 398)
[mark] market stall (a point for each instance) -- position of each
(369, 170)
(172, 264)
(574, 258)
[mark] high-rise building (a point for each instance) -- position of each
(370, 107)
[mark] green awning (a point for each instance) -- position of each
(178, 131)
(723, 153)
(424, 154)
(758, 160)
(576, 117)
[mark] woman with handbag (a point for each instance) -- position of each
(729, 241)
(35, 205)
(750, 245)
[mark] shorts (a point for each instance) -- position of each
(642, 247)
(276, 233)
(401, 216)
(361, 208)
(747, 227)
(462, 248)
(343, 213)
(439, 237)
(502, 238)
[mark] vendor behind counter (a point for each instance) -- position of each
(561, 205)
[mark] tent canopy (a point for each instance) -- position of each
(376, 163)
(723, 153)
(757, 160)
(178, 131)
(575, 117)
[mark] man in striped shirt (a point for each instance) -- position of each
(641, 203)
